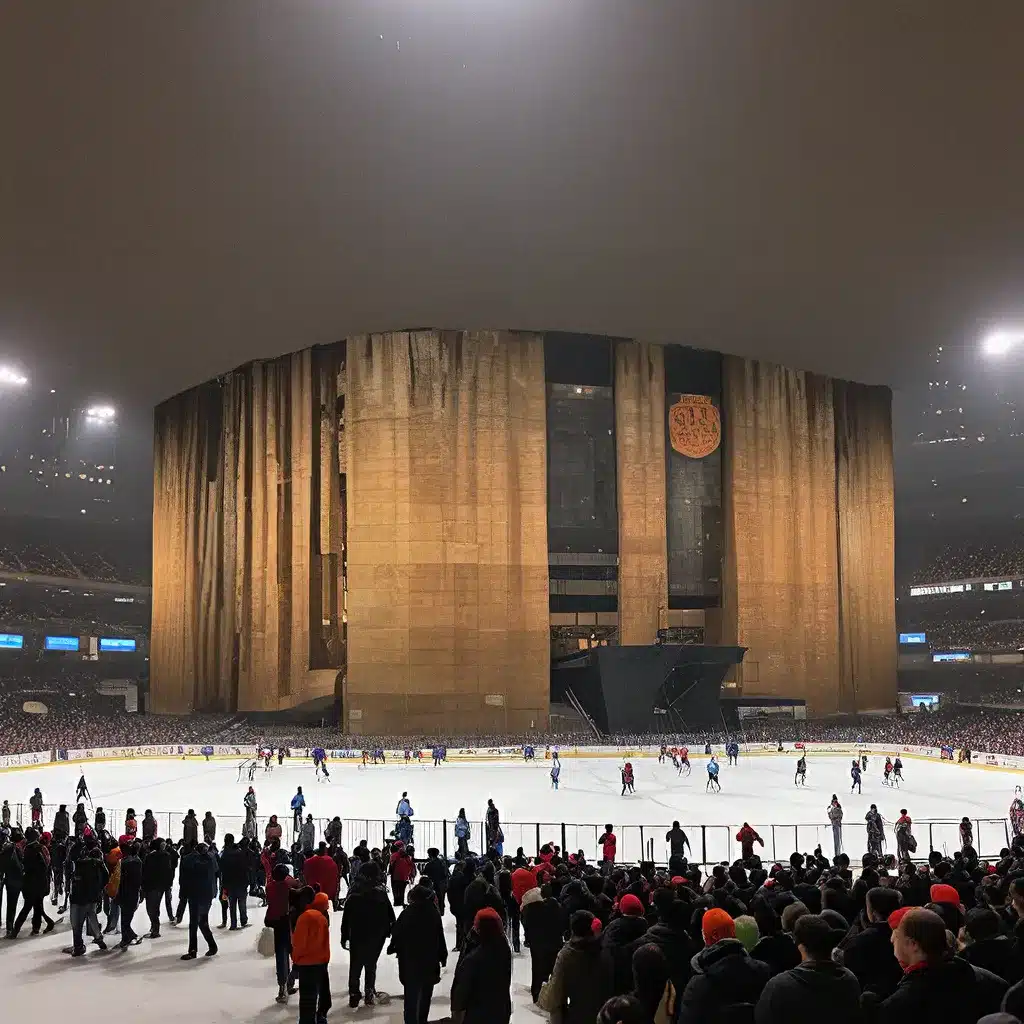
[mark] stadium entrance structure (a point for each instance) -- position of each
(413, 522)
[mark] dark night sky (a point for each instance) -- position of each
(185, 186)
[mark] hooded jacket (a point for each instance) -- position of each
(322, 871)
(311, 940)
(580, 982)
(724, 978)
(815, 991)
(418, 940)
(368, 917)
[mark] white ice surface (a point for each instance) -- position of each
(238, 985)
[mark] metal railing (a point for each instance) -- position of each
(709, 844)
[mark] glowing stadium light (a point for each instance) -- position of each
(100, 414)
(11, 377)
(999, 342)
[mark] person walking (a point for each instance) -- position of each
(835, 817)
(311, 954)
(366, 923)
(280, 885)
(35, 886)
(87, 882)
(418, 941)
(129, 892)
(156, 881)
(234, 879)
(12, 871)
(401, 871)
(197, 881)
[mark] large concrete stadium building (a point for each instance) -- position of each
(407, 523)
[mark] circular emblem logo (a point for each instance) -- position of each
(694, 426)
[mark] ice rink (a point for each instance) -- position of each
(238, 985)
(759, 790)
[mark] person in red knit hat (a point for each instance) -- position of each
(481, 989)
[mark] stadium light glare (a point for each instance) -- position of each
(101, 413)
(1001, 341)
(12, 378)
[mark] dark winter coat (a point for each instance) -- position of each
(814, 992)
(480, 894)
(543, 926)
(36, 881)
(198, 876)
(131, 881)
(674, 942)
(580, 982)
(87, 881)
(61, 825)
(724, 986)
(619, 939)
(418, 940)
(951, 991)
(189, 829)
(12, 869)
(481, 989)
(149, 828)
(436, 870)
(869, 955)
(779, 952)
(368, 917)
(157, 873)
(1000, 955)
(234, 868)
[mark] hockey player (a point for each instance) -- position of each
(713, 783)
(966, 833)
(280, 756)
(252, 771)
(906, 844)
(627, 779)
(864, 762)
(298, 804)
(404, 808)
(556, 771)
(835, 817)
(325, 775)
(35, 802)
(800, 779)
(1017, 813)
(407, 754)
(855, 772)
(684, 761)
(82, 790)
(887, 772)
(249, 803)
(876, 834)
(897, 769)
(528, 753)
(662, 753)
(732, 749)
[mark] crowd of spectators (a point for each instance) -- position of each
(971, 560)
(107, 553)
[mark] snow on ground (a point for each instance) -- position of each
(238, 985)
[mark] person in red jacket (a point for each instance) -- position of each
(608, 844)
(321, 869)
(279, 886)
(523, 880)
(402, 870)
(746, 837)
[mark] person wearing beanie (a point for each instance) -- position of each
(817, 989)
(726, 982)
(671, 934)
(311, 953)
(481, 988)
(581, 982)
(543, 923)
(418, 941)
(747, 931)
(620, 938)
(936, 985)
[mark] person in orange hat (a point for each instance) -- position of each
(311, 953)
(724, 974)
